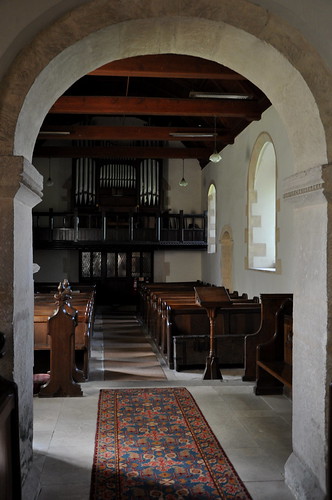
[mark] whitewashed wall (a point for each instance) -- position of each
(55, 265)
(230, 176)
(57, 196)
(186, 198)
(176, 265)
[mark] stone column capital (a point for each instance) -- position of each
(305, 188)
(20, 180)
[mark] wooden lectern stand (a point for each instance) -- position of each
(212, 298)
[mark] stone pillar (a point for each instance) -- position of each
(305, 470)
(20, 190)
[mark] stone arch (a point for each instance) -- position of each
(239, 37)
(226, 261)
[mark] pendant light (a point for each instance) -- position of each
(215, 157)
(183, 182)
(49, 181)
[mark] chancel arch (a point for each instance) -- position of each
(239, 36)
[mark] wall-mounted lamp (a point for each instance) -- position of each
(49, 181)
(215, 157)
(183, 182)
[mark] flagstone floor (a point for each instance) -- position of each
(254, 431)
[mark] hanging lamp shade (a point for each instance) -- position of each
(183, 182)
(215, 157)
(49, 181)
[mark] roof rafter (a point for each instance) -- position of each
(132, 133)
(118, 152)
(154, 106)
(167, 66)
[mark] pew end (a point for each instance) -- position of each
(274, 358)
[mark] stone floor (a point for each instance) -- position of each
(254, 431)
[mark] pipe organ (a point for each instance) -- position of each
(117, 183)
(149, 187)
(85, 182)
(117, 176)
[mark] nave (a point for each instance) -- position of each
(254, 431)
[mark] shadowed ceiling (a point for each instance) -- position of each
(159, 106)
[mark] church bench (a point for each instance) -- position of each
(154, 295)
(188, 307)
(159, 302)
(191, 319)
(146, 289)
(61, 325)
(270, 304)
(181, 293)
(191, 351)
(51, 287)
(45, 308)
(274, 357)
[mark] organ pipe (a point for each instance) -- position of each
(119, 174)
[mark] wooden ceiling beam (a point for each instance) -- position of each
(120, 152)
(167, 66)
(105, 105)
(129, 133)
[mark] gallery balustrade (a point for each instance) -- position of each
(71, 228)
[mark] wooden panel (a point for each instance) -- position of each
(156, 106)
(10, 468)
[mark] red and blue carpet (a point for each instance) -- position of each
(155, 443)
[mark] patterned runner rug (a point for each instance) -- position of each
(155, 443)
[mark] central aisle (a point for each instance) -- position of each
(122, 352)
(127, 353)
(254, 431)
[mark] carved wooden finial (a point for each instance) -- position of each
(64, 293)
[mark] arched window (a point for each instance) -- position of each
(212, 207)
(262, 206)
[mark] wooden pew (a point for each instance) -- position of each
(159, 301)
(270, 304)
(51, 287)
(189, 320)
(274, 358)
(152, 294)
(155, 292)
(170, 299)
(181, 319)
(61, 329)
(84, 303)
(183, 292)
(10, 462)
(191, 351)
(146, 289)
